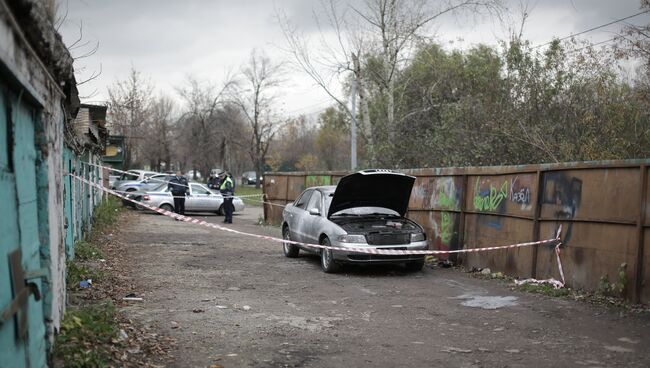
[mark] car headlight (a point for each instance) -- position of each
(351, 238)
(418, 237)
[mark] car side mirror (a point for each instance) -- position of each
(314, 211)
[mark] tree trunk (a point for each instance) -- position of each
(366, 127)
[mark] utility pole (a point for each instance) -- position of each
(353, 128)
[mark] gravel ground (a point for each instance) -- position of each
(235, 301)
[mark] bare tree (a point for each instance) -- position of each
(203, 129)
(340, 59)
(385, 28)
(129, 111)
(159, 129)
(254, 96)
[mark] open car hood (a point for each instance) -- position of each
(373, 188)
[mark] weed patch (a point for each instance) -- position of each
(87, 335)
(84, 251)
(78, 272)
(545, 289)
(106, 213)
(244, 190)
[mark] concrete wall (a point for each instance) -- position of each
(602, 207)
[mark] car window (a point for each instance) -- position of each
(129, 175)
(161, 188)
(197, 189)
(301, 202)
(159, 178)
(314, 201)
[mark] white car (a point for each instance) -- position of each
(200, 199)
(365, 210)
(133, 175)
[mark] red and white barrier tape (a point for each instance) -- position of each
(364, 250)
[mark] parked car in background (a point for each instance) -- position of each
(249, 178)
(112, 179)
(200, 199)
(143, 185)
(366, 209)
(133, 175)
(190, 175)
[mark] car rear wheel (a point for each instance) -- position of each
(138, 206)
(220, 211)
(167, 207)
(415, 266)
(327, 262)
(290, 250)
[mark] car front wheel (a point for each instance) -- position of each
(290, 250)
(327, 262)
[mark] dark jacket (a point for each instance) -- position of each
(178, 185)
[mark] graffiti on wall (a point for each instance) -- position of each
(317, 180)
(491, 197)
(564, 192)
(445, 195)
(446, 227)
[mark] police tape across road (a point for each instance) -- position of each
(555, 241)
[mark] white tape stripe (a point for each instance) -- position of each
(354, 250)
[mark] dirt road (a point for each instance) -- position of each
(238, 302)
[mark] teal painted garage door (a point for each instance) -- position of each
(19, 226)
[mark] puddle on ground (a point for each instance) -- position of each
(488, 302)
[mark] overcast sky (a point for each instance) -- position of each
(167, 40)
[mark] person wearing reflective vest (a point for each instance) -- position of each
(227, 189)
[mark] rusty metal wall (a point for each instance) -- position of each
(602, 207)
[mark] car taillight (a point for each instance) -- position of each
(145, 197)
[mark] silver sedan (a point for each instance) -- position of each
(200, 199)
(365, 209)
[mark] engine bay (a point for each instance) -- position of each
(365, 225)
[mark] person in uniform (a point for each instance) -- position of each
(179, 187)
(227, 189)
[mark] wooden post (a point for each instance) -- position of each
(537, 209)
(638, 267)
(461, 226)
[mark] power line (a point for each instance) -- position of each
(592, 29)
(592, 45)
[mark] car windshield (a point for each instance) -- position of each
(129, 176)
(359, 211)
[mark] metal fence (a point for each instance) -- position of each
(602, 207)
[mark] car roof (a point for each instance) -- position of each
(324, 188)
